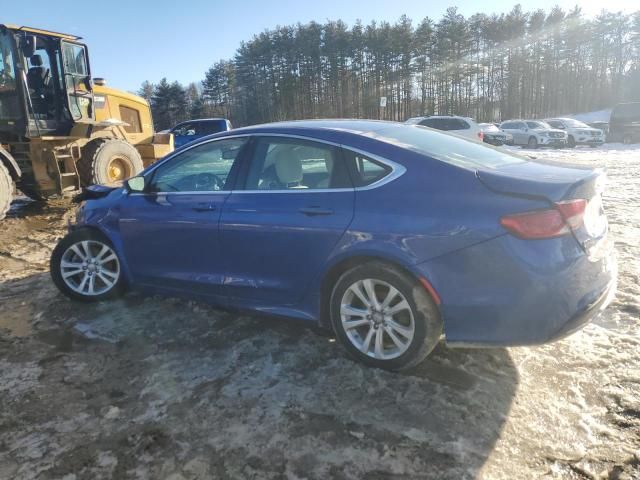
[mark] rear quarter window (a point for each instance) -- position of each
(446, 148)
(364, 170)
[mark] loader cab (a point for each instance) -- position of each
(45, 83)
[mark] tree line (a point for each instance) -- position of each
(490, 67)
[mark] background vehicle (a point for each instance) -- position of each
(464, 126)
(191, 130)
(358, 222)
(600, 125)
(534, 133)
(578, 133)
(624, 124)
(494, 136)
(60, 130)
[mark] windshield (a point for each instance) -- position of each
(8, 96)
(445, 147)
(571, 123)
(538, 124)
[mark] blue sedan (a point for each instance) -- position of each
(391, 235)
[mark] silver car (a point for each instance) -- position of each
(534, 133)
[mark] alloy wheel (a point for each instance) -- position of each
(377, 319)
(90, 268)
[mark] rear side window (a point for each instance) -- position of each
(446, 148)
(364, 170)
(294, 164)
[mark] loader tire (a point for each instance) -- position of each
(107, 161)
(6, 190)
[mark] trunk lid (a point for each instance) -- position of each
(555, 184)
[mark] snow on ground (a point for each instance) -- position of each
(164, 388)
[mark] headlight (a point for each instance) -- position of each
(544, 134)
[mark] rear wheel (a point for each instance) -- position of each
(626, 139)
(84, 266)
(571, 142)
(532, 143)
(383, 317)
(107, 161)
(6, 190)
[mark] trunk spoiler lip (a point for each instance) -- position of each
(557, 184)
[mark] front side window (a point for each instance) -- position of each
(294, 164)
(204, 168)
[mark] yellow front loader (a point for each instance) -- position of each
(60, 129)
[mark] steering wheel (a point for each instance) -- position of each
(208, 182)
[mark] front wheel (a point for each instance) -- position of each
(571, 142)
(84, 266)
(384, 317)
(532, 143)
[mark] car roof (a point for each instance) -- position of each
(337, 125)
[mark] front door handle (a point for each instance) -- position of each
(315, 211)
(204, 207)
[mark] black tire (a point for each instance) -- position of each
(571, 142)
(6, 190)
(426, 317)
(532, 143)
(102, 157)
(94, 239)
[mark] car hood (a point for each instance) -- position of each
(97, 191)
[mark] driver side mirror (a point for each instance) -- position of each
(135, 184)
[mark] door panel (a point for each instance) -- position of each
(170, 232)
(278, 232)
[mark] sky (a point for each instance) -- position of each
(136, 40)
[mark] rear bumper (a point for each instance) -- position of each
(508, 292)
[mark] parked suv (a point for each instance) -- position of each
(186, 132)
(463, 126)
(624, 125)
(534, 133)
(578, 133)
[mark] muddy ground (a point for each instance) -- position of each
(159, 388)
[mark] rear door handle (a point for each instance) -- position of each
(204, 207)
(315, 211)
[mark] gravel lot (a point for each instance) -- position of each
(150, 387)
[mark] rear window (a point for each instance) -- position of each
(445, 124)
(446, 148)
(213, 126)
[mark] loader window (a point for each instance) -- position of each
(74, 60)
(8, 98)
(132, 117)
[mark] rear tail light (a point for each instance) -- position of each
(481, 135)
(550, 223)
